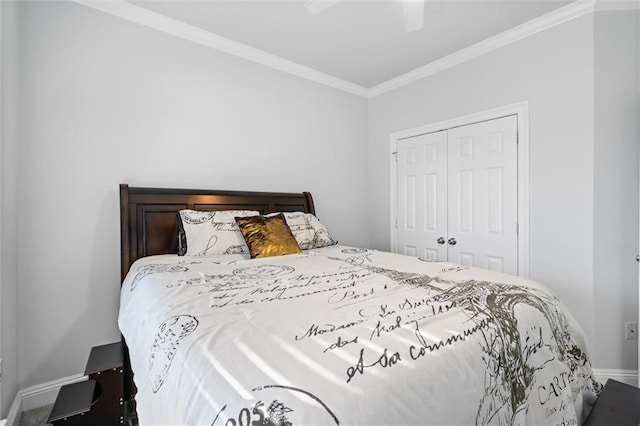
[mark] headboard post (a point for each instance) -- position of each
(125, 251)
(311, 208)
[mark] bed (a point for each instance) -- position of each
(334, 334)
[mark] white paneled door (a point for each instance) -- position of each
(458, 195)
(422, 196)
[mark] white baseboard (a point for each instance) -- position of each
(629, 377)
(38, 396)
(45, 394)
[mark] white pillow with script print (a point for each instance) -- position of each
(212, 233)
(308, 231)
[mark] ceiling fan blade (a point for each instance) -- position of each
(413, 15)
(317, 6)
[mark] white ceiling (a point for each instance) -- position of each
(359, 41)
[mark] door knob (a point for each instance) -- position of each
(452, 241)
(638, 258)
(440, 240)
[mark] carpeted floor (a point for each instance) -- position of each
(35, 417)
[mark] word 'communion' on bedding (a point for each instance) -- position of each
(353, 336)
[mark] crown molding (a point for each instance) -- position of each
(550, 20)
(148, 18)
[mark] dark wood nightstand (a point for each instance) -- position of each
(99, 400)
(618, 404)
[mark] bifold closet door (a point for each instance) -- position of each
(422, 196)
(483, 195)
(457, 195)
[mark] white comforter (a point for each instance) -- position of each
(348, 336)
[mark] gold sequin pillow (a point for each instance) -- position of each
(267, 236)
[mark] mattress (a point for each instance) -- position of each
(345, 335)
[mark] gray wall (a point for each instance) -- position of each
(8, 214)
(105, 101)
(572, 193)
(615, 270)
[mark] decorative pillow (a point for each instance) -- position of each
(267, 236)
(211, 232)
(308, 231)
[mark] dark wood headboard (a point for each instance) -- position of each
(148, 216)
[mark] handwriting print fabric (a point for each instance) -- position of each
(213, 232)
(344, 335)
